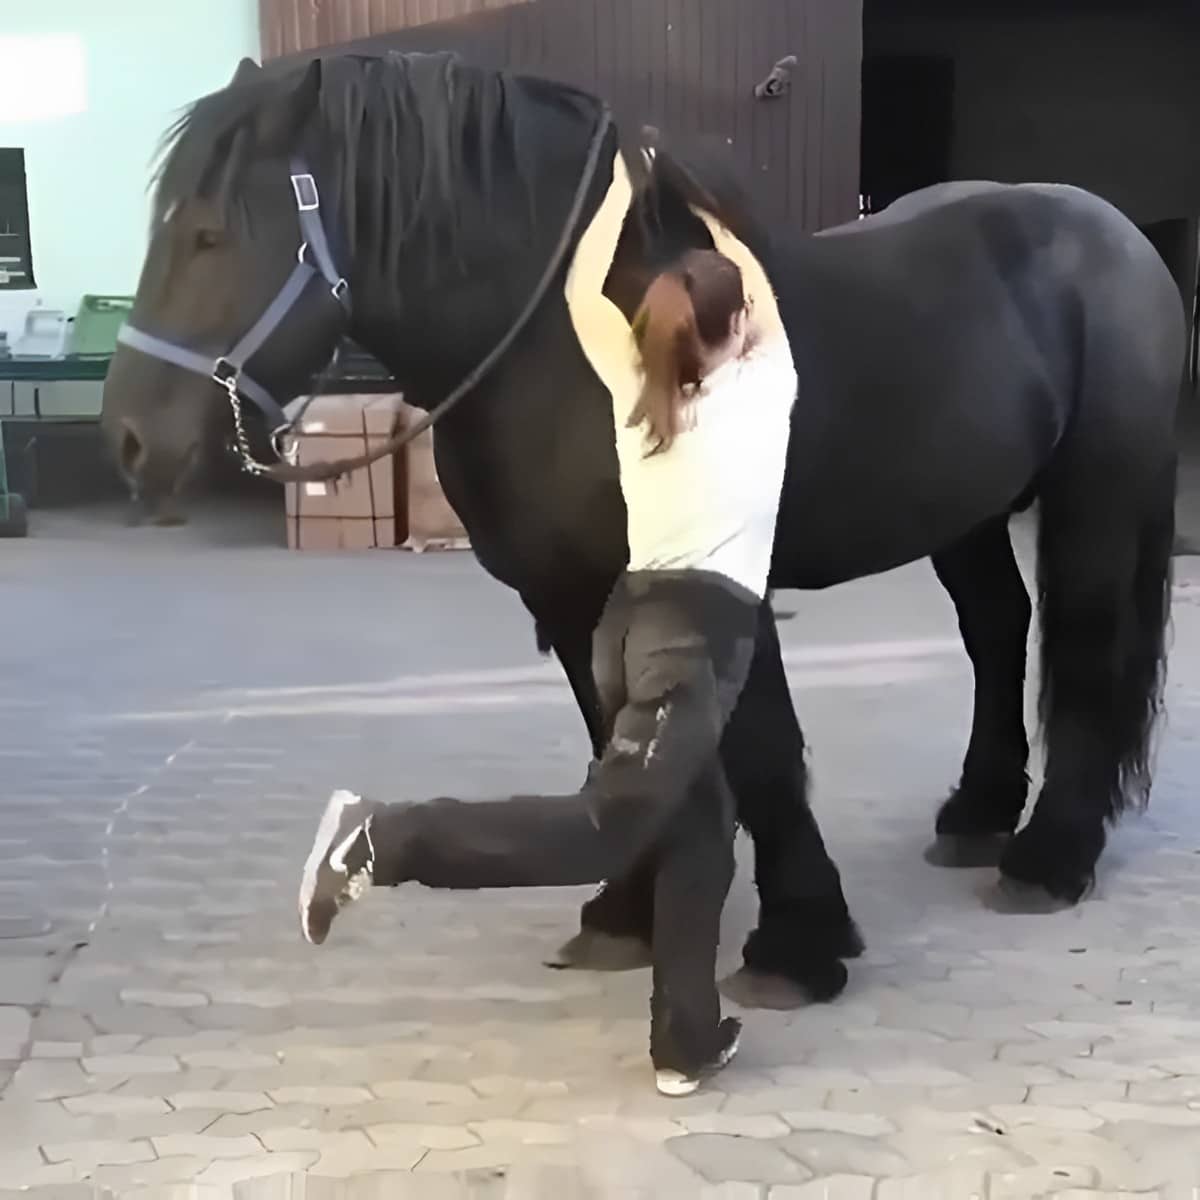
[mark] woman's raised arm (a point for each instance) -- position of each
(601, 327)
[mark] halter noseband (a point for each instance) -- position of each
(228, 370)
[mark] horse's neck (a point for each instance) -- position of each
(431, 333)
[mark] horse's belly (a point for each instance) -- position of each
(848, 525)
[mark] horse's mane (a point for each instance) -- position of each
(403, 137)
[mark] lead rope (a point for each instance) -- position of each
(291, 472)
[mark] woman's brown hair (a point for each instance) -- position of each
(689, 308)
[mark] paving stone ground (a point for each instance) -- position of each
(174, 707)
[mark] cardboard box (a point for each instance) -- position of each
(429, 521)
(396, 502)
(344, 533)
(364, 510)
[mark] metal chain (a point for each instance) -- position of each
(286, 453)
(250, 464)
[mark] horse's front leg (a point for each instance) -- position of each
(616, 925)
(804, 929)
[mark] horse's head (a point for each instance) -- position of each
(222, 259)
(447, 193)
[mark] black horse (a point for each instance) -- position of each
(972, 350)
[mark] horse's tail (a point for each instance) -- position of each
(1145, 665)
(1106, 537)
(1104, 594)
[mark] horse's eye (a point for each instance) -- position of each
(207, 239)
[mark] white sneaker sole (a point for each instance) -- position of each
(331, 820)
(676, 1084)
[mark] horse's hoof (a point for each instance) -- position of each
(1012, 897)
(1049, 866)
(962, 851)
(590, 950)
(749, 988)
(850, 943)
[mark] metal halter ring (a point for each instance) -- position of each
(286, 447)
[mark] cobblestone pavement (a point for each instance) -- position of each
(174, 707)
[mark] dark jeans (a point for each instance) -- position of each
(672, 653)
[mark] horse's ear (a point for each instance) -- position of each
(283, 117)
(247, 70)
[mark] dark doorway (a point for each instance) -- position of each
(1176, 241)
(907, 125)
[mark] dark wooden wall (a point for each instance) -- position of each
(687, 66)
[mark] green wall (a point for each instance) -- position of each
(88, 171)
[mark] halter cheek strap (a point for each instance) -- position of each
(229, 370)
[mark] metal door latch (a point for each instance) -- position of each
(779, 81)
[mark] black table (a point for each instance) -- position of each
(356, 371)
(14, 371)
(55, 370)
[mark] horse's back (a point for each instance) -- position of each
(912, 204)
(1046, 245)
(1080, 230)
(941, 199)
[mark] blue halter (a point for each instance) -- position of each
(228, 370)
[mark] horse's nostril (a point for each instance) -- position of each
(132, 453)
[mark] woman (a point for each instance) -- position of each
(702, 452)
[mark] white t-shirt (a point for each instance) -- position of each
(710, 502)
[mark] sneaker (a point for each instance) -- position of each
(341, 865)
(675, 1083)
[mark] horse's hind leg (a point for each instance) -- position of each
(1107, 526)
(981, 575)
(804, 927)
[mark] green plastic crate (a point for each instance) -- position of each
(99, 320)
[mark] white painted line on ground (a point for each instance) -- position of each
(480, 692)
(551, 672)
